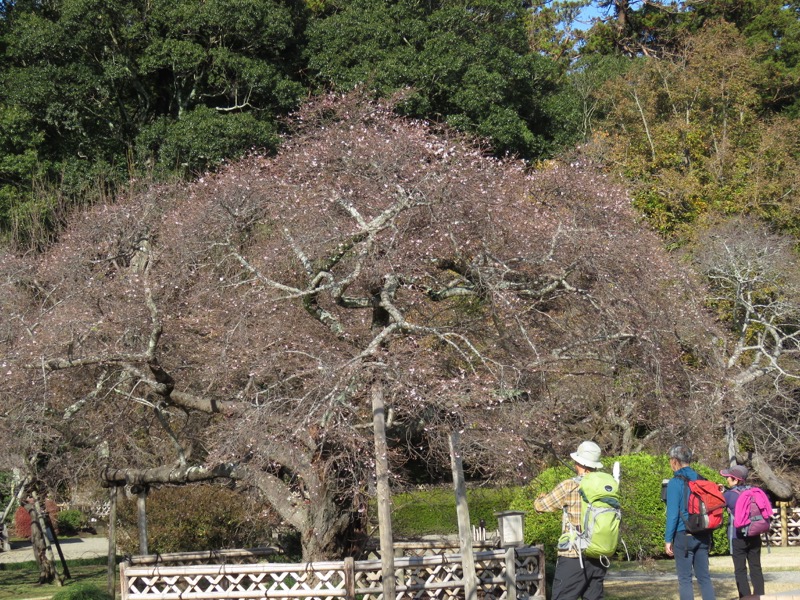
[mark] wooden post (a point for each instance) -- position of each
(349, 578)
(462, 512)
(784, 524)
(511, 574)
(141, 506)
(384, 494)
(123, 580)
(111, 568)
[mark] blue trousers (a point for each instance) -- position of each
(691, 558)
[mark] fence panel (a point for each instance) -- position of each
(784, 527)
(436, 577)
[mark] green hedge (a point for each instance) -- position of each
(81, 591)
(195, 517)
(643, 512)
(433, 512)
(71, 521)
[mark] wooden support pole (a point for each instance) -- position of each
(784, 524)
(141, 506)
(43, 549)
(57, 544)
(384, 494)
(462, 512)
(111, 568)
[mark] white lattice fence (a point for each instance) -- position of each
(433, 577)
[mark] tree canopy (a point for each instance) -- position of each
(97, 91)
(236, 328)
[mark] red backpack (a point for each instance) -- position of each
(704, 503)
(752, 511)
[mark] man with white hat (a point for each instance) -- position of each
(575, 577)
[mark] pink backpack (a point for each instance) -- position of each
(752, 512)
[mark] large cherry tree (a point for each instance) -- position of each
(236, 328)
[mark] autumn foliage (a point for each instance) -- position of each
(22, 523)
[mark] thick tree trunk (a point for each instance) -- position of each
(779, 486)
(47, 570)
(331, 530)
(774, 483)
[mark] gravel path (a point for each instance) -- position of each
(89, 547)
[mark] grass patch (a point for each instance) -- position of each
(19, 580)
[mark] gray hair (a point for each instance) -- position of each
(680, 453)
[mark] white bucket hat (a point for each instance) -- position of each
(588, 455)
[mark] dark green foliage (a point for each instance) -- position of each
(543, 528)
(643, 512)
(468, 64)
(6, 478)
(84, 82)
(81, 591)
(433, 511)
(195, 517)
(71, 521)
(203, 138)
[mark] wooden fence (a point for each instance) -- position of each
(784, 527)
(503, 574)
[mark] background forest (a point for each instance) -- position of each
(227, 224)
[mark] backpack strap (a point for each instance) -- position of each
(684, 498)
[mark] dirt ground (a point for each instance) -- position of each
(657, 580)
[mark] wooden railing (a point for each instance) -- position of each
(512, 574)
(243, 556)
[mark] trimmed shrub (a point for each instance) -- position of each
(643, 512)
(195, 517)
(22, 519)
(22, 523)
(433, 512)
(71, 521)
(81, 591)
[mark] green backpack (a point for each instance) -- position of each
(598, 536)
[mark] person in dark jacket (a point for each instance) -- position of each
(745, 550)
(690, 550)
